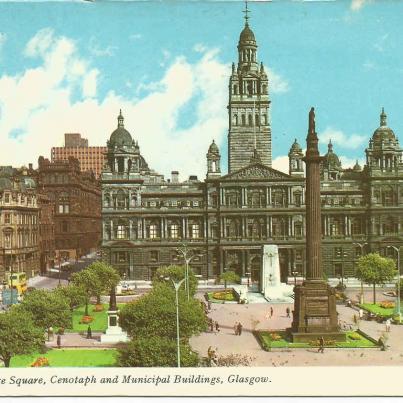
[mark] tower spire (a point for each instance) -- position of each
(246, 11)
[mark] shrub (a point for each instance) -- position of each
(387, 304)
(355, 336)
(234, 360)
(275, 336)
(40, 362)
(224, 295)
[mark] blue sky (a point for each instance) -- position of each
(69, 67)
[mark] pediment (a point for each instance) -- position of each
(257, 171)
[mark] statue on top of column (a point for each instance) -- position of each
(312, 120)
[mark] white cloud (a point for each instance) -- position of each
(281, 163)
(341, 139)
(90, 83)
(277, 83)
(37, 108)
(99, 51)
(347, 162)
(356, 5)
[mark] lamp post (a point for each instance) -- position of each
(176, 286)
(185, 253)
(361, 245)
(294, 273)
(397, 249)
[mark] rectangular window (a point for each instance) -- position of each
(196, 203)
(121, 232)
(174, 231)
(7, 198)
(195, 231)
(60, 208)
(122, 257)
(153, 231)
(154, 256)
(7, 218)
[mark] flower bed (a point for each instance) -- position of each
(86, 320)
(40, 362)
(280, 339)
(222, 296)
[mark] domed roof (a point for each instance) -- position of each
(121, 136)
(331, 159)
(295, 148)
(383, 132)
(213, 149)
(357, 166)
(247, 35)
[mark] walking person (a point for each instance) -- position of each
(387, 325)
(59, 341)
(288, 312)
(209, 306)
(321, 348)
(217, 326)
(89, 332)
(236, 328)
(211, 323)
(240, 328)
(271, 312)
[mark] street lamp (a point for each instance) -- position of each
(248, 276)
(185, 253)
(176, 286)
(294, 273)
(361, 245)
(397, 249)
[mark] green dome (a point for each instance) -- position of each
(295, 148)
(383, 132)
(121, 137)
(213, 149)
(247, 35)
(331, 159)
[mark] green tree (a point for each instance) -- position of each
(155, 314)
(47, 309)
(107, 276)
(155, 352)
(18, 335)
(74, 295)
(376, 270)
(175, 273)
(87, 281)
(228, 277)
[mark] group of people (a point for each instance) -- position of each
(238, 328)
(213, 325)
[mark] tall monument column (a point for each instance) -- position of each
(314, 312)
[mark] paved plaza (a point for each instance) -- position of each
(226, 342)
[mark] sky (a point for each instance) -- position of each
(70, 67)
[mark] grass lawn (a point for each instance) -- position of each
(377, 310)
(70, 358)
(354, 340)
(99, 324)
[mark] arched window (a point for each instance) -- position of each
(243, 120)
(250, 120)
(235, 89)
(257, 120)
(235, 119)
(107, 201)
(264, 89)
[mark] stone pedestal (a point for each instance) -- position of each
(315, 313)
(114, 333)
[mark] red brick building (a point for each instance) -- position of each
(77, 201)
(90, 158)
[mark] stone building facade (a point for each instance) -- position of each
(19, 223)
(226, 219)
(76, 198)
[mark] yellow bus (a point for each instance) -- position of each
(18, 281)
